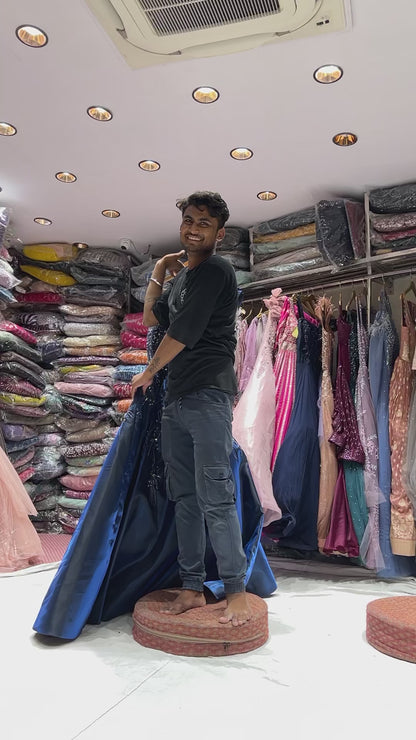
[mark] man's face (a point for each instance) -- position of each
(199, 231)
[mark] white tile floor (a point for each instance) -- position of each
(315, 678)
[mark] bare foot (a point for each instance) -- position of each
(186, 600)
(237, 611)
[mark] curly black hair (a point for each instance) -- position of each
(215, 205)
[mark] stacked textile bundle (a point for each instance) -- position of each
(140, 275)
(235, 248)
(133, 359)
(284, 245)
(393, 218)
(91, 325)
(331, 233)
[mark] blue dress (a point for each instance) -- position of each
(296, 470)
(125, 544)
(383, 351)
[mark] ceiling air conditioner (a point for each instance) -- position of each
(151, 32)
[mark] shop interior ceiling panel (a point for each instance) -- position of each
(268, 101)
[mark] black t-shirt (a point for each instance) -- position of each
(199, 310)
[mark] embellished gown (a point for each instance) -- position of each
(125, 545)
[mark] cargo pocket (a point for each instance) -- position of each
(168, 484)
(219, 485)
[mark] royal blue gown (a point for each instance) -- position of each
(125, 545)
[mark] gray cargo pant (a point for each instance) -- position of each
(196, 448)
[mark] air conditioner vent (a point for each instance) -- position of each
(168, 17)
(151, 32)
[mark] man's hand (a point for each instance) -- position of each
(143, 380)
(174, 263)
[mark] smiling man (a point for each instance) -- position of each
(198, 310)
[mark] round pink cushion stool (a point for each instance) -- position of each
(197, 632)
(391, 626)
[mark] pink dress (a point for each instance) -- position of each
(284, 372)
(249, 355)
(254, 415)
(20, 545)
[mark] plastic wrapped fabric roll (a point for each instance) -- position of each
(85, 449)
(78, 482)
(70, 425)
(238, 262)
(87, 295)
(92, 341)
(21, 457)
(332, 232)
(73, 310)
(84, 330)
(234, 235)
(302, 255)
(128, 339)
(50, 349)
(90, 277)
(102, 352)
(16, 432)
(18, 369)
(356, 223)
(285, 223)
(40, 297)
(84, 389)
(14, 399)
(15, 357)
(388, 222)
(88, 462)
(394, 199)
(123, 390)
(79, 470)
(102, 261)
(89, 378)
(124, 373)
(82, 410)
(140, 274)
(50, 252)
(21, 387)
(21, 445)
(133, 357)
(84, 359)
(6, 298)
(54, 277)
(280, 271)
(18, 331)
(41, 321)
(13, 418)
(134, 322)
(7, 279)
(49, 440)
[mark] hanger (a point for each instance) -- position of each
(352, 299)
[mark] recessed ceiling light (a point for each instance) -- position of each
(32, 36)
(65, 177)
(241, 153)
(43, 221)
(80, 245)
(149, 165)
(327, 74)
(6, 129)
(110, 213)
(346, 138)
(205, 95)
(99, 113)
(266, 195)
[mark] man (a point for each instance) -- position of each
(199, 312)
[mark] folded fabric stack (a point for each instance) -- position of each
(33, 438)
(330, 233)
(133, 359)
(392, 218)
(235, 248)
(140, 275)
(284, 245)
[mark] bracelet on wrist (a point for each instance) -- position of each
(153, 280)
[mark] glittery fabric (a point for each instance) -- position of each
(14, 385)
(370, 550)
(329, 464)
(284, 372)
(133, 357)
(18, 331)
(402, 530)
(388, 222)
(9, 342)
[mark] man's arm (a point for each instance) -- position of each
(167, 350)
(169, 262)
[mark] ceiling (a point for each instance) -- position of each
(268, 102)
